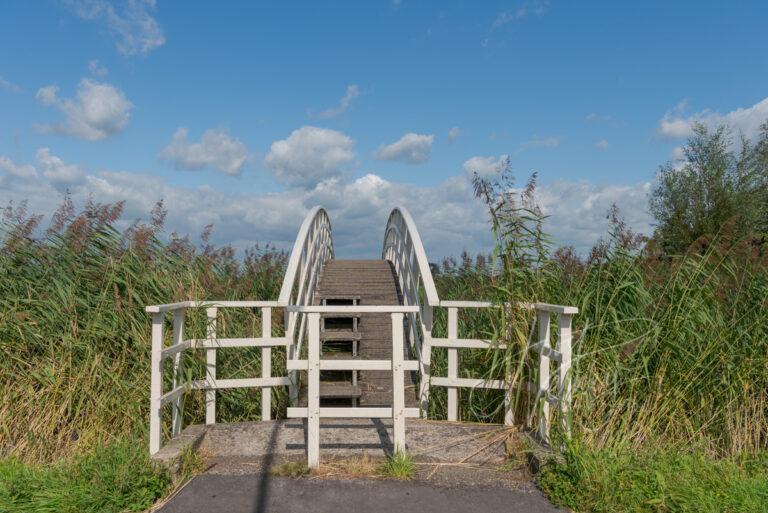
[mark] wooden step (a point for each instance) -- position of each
(339, 335)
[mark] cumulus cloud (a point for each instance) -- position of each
(602, 144)
(18, 170)
(577, 210)
(310, 155)
(98, 110)
(216, 150)
(129, 21)
(453, 134)
(352, 92)
(55, 170)
(448, 216)
(486, 166)
(675, 124)
(410, 148)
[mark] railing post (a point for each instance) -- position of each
(564, 371)
(293, 387)
(453, 364)
(266, 364)
(543, 393)
(398, 383)
(178, 370)
(156, 384)
(210, 365)
(426, 360)
(313, 392)
(509, 414)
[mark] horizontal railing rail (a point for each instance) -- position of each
(545, 394)
(398, 365)
(160, 352)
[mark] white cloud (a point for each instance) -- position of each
(602, 144)
(453, 134)
(541, 142)
(8, 85)
(129, 21)
(448, 216)
(676, 125)
(486, 166)
(352, 93)
(310, 155)
(577, 210)
(410, 148)
(55, 170)
(98, 111)
(97, 69)
(216, 150)
(18, 170)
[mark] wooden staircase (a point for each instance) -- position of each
(361, 336)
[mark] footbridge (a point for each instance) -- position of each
(355, 343)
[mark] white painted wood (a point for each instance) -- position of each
(178, 371)
(398, 383)
(467, 304)
(543, 403)
(221, 384)
(425, 357)
(175, 349)
(564, 371)
(223, 343)
(352, 413)
(547, 351)
(496, 384)
(266, 364)
(556, 309)
(313, 392)
(173, 395)
(352, 309)
(210, 365)
(453, 365)
(367, 365)
(468, 343)
(209, 304)
(156, 384)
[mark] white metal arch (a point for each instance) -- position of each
(404, 249)
(312, 249)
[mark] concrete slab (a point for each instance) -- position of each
(484, 444)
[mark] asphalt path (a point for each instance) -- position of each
(259, 493)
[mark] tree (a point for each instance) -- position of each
(713, 185)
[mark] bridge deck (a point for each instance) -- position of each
(365, 336)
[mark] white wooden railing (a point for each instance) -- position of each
(179, 344)
(313, 365)
(413, 319)
(404, 248)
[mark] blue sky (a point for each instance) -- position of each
(245, 114)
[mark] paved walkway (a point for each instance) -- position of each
(258, 493)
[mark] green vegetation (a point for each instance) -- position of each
(631, 481)
(114, 478)
(398, 466)
(291, 469)
(670, 354)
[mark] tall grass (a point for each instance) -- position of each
(669, 353)
(74, 348)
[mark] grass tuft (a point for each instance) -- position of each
(398, 466)
(293, 469)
